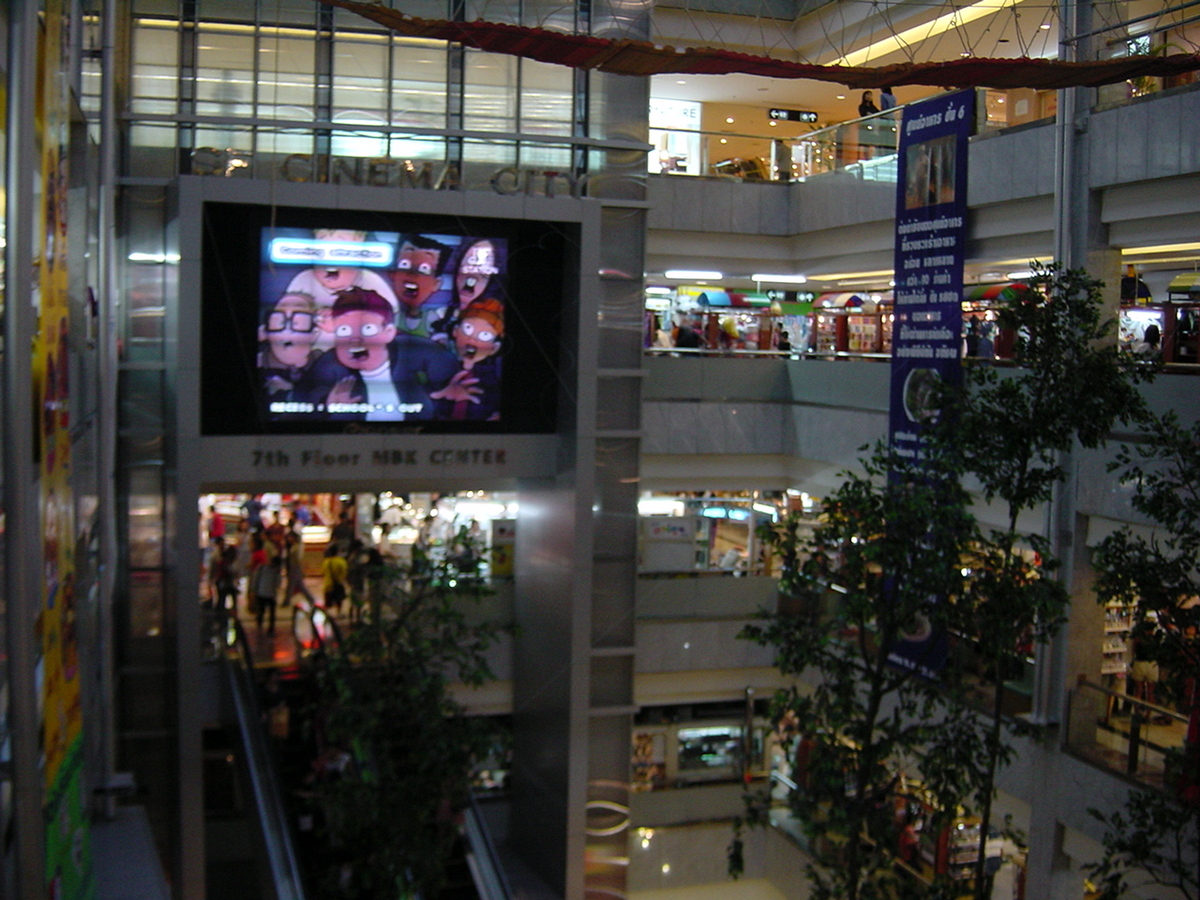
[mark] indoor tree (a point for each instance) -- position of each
(900, 547)
(875, 575)
(396, 748)
(1156, 838)
(1013, 431)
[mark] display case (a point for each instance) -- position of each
(1118, 621)
(829, 330)
(863, 333)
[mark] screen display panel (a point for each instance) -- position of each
(328, 321)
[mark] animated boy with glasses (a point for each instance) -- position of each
(287, 343)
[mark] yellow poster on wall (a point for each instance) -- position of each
(68, 858)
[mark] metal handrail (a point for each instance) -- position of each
(1139, 751)
(238, 666)
(483, 860)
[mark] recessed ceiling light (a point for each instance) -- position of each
(1045, 26)
(841, 96)
(681, 81)
(772, 123)
(729, 120)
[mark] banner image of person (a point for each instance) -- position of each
(931, 216)
(380, 326)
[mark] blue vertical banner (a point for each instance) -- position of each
(931, 233)
(931, 230)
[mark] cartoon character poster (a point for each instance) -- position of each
(358, 326)
(67, 847)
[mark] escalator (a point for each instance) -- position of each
(258, 756)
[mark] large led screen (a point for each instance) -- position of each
(319, 321)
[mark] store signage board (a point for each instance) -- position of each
(930, 243)
(792, 115)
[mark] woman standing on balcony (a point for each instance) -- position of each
(867, 107)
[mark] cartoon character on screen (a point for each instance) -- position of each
(478, 266)
(417, 279)
(375, 373)
(478, 340)
(287, 344)
(324, 281)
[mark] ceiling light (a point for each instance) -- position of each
(690, 274)
(780, 279)
(1045, 26)
(772, 123)
(729, 120)
(918, 33)
(1018, 276)
(1159, 248)
(881, 273)
(658, 290)
(841, 96)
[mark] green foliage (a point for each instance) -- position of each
(405, 745)
(1155, 840)
(890, 540)
(897, 553)
(1070, 384)
(1015, 431)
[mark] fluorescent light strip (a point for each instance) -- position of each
(692, 274)
(1166, 259)
(780, 279)
(842, 276)
(1160, 248)
(919, 33)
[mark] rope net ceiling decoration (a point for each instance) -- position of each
(634, 57)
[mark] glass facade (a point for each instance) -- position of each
(298, 92)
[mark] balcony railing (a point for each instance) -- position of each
(864, 147)
(1124, 734)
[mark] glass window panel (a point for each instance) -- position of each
(290, 12)
(361, 144)
(156, 7)
(145, 517)
(284, 143)
(223, 139)
(224, 72)
(497, 153)
(152, 150)
(286, 79)
(489, 92)
(141, 398)
(419, 84)
(549, 156)
(360, 90)
(546, 93)
(417, 148)
(145, 603)
(155, 61)
(226, 10)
